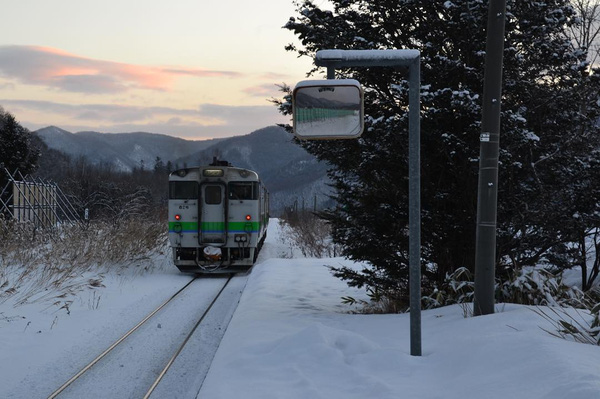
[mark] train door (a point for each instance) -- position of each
(213, 214)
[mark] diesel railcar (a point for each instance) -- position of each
(218, 217)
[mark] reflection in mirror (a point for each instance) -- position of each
(328, 109)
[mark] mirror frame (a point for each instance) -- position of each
(328, 85)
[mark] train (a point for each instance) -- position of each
(218, 218)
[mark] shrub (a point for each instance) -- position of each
(309, 233)
(531, 286)
(457, 288)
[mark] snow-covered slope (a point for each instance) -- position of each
(291, 337)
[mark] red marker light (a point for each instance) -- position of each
(248, 217)
(177, 217)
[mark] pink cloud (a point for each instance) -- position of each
(65, 71)
(275, 76)
(202, 73)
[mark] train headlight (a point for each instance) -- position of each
(213, 172)
(177, 217)
(240, 238)
(248, 217)
(181, 172)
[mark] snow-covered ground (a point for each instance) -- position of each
(291, 337)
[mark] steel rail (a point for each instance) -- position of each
(172, 360)
(97, 359)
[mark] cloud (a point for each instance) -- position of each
(7, 86)
(89, 83)
(103, 112)
(234, 112)
(206, 121)
(266, 90)
(275, 76)
(202, 73)
(69, 72)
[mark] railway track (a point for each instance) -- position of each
(152, 358)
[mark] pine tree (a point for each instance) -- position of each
(16, 149)
(548, 135)
(159, 166)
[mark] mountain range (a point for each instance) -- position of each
(124, 151)
(292, 175)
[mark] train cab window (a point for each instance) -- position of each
(243, 191)
(212, 195)
(183, 190)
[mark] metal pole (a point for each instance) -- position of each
(5, 205)
(487, 194)
(73, 213)
(330, 72)
(43, 206)
(51, 200)
(35, 208)
(411, 59)
(414, 205)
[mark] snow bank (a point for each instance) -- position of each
(292, 338)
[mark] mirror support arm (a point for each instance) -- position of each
(330, 72)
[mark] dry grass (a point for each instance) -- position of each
(310, 234)
(53, 266)
(578, 324)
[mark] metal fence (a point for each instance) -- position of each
(33, 200)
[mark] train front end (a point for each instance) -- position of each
(217, 218)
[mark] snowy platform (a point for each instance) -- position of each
(292, 337)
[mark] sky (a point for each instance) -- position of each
(187, 68)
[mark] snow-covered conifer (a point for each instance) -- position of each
(548, 133)
(16, 149)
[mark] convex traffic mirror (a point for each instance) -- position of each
(328, 109)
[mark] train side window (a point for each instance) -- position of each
(183, 190)
(212, 195)
(243, 191)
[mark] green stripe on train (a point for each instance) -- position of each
(243, 226)
(231, 226)
(216, 226)
(185, 226)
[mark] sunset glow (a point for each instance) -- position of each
(184, 69)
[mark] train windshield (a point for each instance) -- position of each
(183, 190)
(212, 195)
(243, 190)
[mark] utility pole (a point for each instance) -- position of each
(487, 194)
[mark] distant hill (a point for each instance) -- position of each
(124, 151)
(291, 174)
